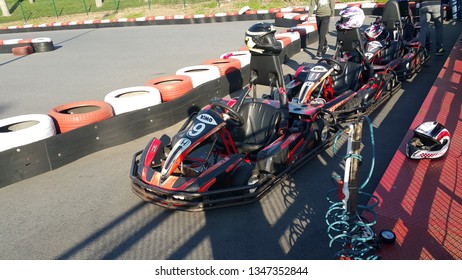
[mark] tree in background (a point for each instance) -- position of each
(4, 7)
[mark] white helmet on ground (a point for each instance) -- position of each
(431, 140)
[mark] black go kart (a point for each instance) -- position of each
(391, 41)
(235, 149)
(346, 89)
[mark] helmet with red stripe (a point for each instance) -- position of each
(431, 140)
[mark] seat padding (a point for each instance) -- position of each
(348, 78)
(260, 126)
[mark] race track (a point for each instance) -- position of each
(86, 209)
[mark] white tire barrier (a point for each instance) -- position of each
(133, 98)
(25, 129)
(242, 56)
(200, 74)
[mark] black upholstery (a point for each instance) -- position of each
(350, 41)
(260, 126)
(388, 54)
(391, 16)
(348, 78)
(266, 70)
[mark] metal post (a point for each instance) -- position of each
(116, 6)
(149, 4)
(22, 10)
(353, 176)
(85, 6)
(54, 7)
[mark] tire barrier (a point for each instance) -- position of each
(243, 56)
(225, 66)
(25, 129)
(42, 44)
(285, 41)
(73, 115)
(171, 87)
(133, 98)
(21, 51)
(37, 45)
(200, 74)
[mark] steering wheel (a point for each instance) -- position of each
(235, 118)
(338, 68)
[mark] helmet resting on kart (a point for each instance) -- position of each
(351, 17)
(260, 38)
(376, 32)
(431, 140)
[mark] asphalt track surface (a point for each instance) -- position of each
(86, 209)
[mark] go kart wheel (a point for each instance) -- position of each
(387, 236)
(242, 175)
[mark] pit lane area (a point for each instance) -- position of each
(86, 210)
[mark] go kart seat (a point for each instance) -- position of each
(348, 79)
(350, 41)
(388, 54)
(260, 126)
(391, 18)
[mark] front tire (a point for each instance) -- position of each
(242, 175)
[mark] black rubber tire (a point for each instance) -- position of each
(43, 45)
(242, 175)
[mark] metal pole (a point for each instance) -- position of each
(54, 6)
(116, 8)
(353, 182)
(149, 4)
(85, 6)
(22, 10)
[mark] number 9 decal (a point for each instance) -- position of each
(196, 129)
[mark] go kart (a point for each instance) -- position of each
(346, 89)
(391, 42)
(231, 152)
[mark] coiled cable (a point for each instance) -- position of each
(352, 231)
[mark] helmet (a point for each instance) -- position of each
(260, 38)
(431, 140)
(351, 17)
(376, 32)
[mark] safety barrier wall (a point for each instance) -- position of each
(29, 160)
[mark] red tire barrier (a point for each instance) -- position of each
(77, 114)
(225, 66)
(24, 50)
(171, 87)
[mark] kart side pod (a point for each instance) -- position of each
(285, 151)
